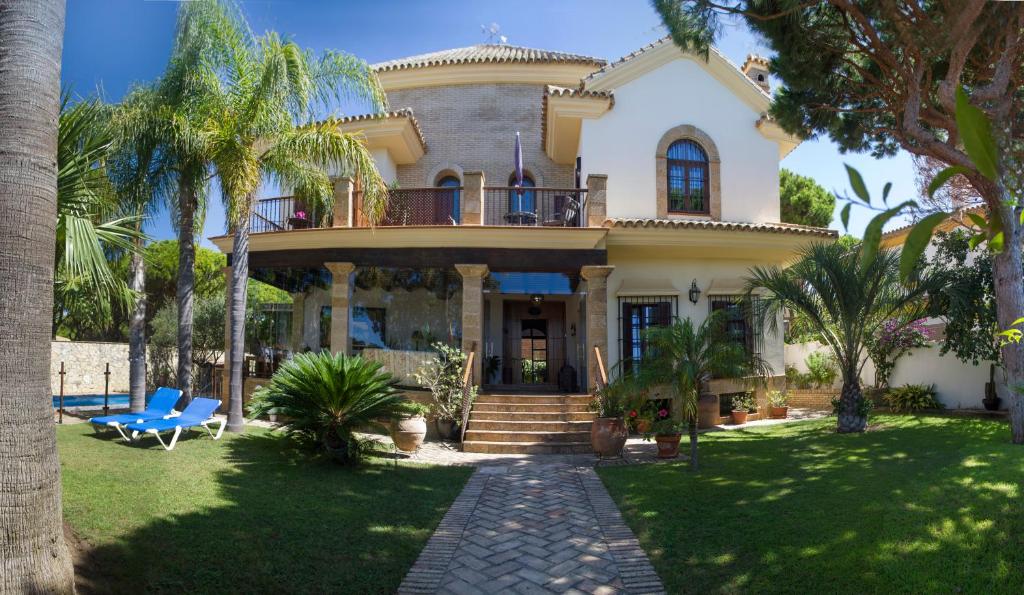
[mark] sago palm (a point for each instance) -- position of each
(846, 300)
(682, 357)
(258, 109)
(326, 398)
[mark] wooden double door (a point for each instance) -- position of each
(534, 342)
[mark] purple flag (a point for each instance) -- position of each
(519, 161)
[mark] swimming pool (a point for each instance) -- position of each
(118, 400)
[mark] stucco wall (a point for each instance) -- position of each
(681, 273)
(623, 142)
(959, 385)
(473, 128)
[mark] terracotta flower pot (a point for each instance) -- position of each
(739, 417)
(779, 412)
(447, 429)
(408, 432)
(668, 445)
(643, 426)
(608, 436)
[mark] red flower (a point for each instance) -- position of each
(632, 413)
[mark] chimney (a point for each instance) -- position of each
(756, 69)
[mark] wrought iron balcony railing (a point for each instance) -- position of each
(546, 207)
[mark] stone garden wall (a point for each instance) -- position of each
(84, 363)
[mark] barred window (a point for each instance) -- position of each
(739, 320)
(636, 315)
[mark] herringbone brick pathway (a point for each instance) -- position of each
(533, 529)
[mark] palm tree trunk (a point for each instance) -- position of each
(186, 284)
(693, 444)
(850, 417)
(137, 333)
(33, 555)
(239, 285)
(1009, 293)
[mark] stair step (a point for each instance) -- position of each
(476, 415)
(506, 425)
(525, 436)
(490, 447)
(535, 399)
(482, 405)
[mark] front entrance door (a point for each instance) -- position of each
(534, 342)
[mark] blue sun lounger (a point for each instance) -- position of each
(199, 413)
(161, 405)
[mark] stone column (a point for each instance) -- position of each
(298, 321)
(344, 202)
(597, 319)
(341, 293)
(472, 199)
(597, 200)
(226, 376)
(473, 313)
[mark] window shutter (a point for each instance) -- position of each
(627, 335)
(664, 314)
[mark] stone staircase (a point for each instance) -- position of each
(529, 424)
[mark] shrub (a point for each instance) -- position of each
(664, 425)
(778, 398)
(326, 398)
(912, 397)
(822, 370)
(796, 379)
(443, 376)
(616, 397)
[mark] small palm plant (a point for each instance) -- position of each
(326, 398)
(847, 299)
(683, 357)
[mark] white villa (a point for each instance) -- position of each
(650, 187)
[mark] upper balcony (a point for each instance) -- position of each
(470, 204)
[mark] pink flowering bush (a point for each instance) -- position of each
(892, 341)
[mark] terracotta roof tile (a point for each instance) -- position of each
(400, 113)
(486, 53)
(722, 225)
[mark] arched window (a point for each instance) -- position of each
(522, 201)
(688, 178)
(450, 181)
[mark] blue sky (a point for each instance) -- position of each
(111, 44)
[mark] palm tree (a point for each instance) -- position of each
(33, 554)
(90, 224)
(847, 300)
(206, 31)
(683, 357)
(140, 178)
(258, 109)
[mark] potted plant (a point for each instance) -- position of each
(442, 375)
(299, 220)
(641, 419)
(326, 399)
(741, 406)
(409, 427)
(778, 404)
(492, 365)
(608, 433)
(667, 433)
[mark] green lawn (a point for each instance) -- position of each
(246, 514)
(918, 505)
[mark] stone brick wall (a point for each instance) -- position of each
(473, 128)
(811, 398)
(84, 363)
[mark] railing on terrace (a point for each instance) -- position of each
(415, 206)
(283, 213)
(546, 207)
